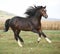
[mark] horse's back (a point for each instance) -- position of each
(20, 23)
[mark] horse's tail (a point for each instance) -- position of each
(6, 25)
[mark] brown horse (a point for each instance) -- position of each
(32, 22)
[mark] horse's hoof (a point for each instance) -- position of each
(38, 41)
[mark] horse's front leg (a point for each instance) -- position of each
(47, 39)
(41, 33)
(39, 38)
(36, 31)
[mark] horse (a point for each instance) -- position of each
(32, 22)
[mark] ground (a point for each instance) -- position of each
(8, 45)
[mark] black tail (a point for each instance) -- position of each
(6, 25)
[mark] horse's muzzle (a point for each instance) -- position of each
(46, 16)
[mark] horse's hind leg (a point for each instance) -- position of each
(18, 39)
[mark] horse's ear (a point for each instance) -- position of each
(35, 6)
(44, 7)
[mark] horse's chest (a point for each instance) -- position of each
(37, 25)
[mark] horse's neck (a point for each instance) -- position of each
(38, 16)
(36, 20)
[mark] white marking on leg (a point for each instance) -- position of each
(48, 40)
(39, 39)
(19, 43)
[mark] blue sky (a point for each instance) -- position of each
(18, 7)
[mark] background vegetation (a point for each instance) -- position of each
(51, 25)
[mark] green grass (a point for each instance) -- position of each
(8, 45)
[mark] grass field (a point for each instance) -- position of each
(8, 45)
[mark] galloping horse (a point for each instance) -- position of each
(32, 22)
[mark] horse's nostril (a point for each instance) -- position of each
(46, 16)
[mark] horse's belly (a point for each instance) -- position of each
(25, 28)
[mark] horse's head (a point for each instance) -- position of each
(36, 11)
(43, 12)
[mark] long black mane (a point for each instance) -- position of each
(32, 10)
